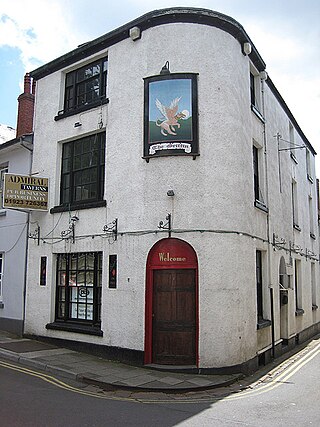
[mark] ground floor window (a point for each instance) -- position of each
(1, 274)
(79, 283)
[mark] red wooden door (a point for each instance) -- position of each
(174, 317)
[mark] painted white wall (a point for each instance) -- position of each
(213, 192)
(13, 240)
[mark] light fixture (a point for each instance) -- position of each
(165, 68)
(135, 33)
(247, 48)
(77, 124)
(170, 193)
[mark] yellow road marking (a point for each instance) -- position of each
(58, 383)
(274, 383)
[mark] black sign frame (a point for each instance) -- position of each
(175, 133)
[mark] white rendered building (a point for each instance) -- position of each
(15, 157)
(182, 224)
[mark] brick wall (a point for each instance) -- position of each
(26, 108)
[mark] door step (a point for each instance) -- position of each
(184, 369)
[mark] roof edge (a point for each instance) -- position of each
(283, 104)
(149, 20)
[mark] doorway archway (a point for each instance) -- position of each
(171, 320)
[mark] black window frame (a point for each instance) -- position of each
(67, 301)
(258, 197)
(78, 157)
(256, 181)
(77, 96)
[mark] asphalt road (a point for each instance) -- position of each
(287, 396)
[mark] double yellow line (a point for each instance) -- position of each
(281, 378)
(278, 380)
(54, 381)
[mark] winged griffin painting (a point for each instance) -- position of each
(171, 117)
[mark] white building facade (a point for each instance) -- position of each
(15, 157)
(182, 225)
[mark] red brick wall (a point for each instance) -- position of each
(26, 108)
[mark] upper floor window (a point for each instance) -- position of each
(3, 170)
(292, 144)
(86, 86)
(258, 178)
(82, 172)
(256, 93)
(308, 165)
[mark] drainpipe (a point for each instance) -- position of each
(27, 240)
(264, 76)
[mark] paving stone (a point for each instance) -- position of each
(170, 380)
(200, 382)
(138, 381)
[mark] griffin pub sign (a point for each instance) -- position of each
(171, 115)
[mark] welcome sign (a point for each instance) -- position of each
(25, 192)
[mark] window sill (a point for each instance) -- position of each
(73, 327)
(257, 113)
(261, 206)
(78, 206)
(61, 114)
(299, 312)
(296, 227)
(310, 178)
(263, 323)
(293, 157)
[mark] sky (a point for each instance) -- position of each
(285, 32)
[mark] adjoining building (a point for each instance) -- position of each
(16, 158)
(182, 224)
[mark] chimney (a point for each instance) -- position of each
(26, 108)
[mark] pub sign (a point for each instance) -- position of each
(25, 192)
(171, 115)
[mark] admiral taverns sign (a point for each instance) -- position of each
(171, 115)
(25, 192)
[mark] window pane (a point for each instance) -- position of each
(61, 310)
(66, 196)
(82, 262)
(81, 278)
(74, 261)
(67, 150)
(62, 279)
(89, 278)
(86, 144)
(62, 262)
(85, 160)
(62, 294)
(70, 79)
(66, 165)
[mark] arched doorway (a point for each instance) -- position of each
(283, 303)
(171, 321)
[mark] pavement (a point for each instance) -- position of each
(101, 372)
